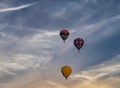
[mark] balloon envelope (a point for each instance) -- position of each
(64, 34)
(66, 71)
(78, 42)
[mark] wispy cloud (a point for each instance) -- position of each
(16, 8)
(90, 78)
(67, 10)
(102, 71)
(27, 55)
(87, 30)
(33, 52)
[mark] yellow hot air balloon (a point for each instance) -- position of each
(66, 71)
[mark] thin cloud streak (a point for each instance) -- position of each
(16, 8)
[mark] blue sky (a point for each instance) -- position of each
(32, 52)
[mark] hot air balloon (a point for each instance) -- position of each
(78, 42)
(66, 71)
(64, 34)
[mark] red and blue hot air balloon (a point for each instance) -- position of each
(64, 34)
(78, 42)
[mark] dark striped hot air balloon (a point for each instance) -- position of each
(78, 42)
(64, 34)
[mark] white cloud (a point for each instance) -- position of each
(4, 72)
(32, 50)
(67, 10)
(37, 50)
(106, 69)
(59, 13)
(16, 8)
(29, 52)
(88, 78)
(45, 39)
(87, 30)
